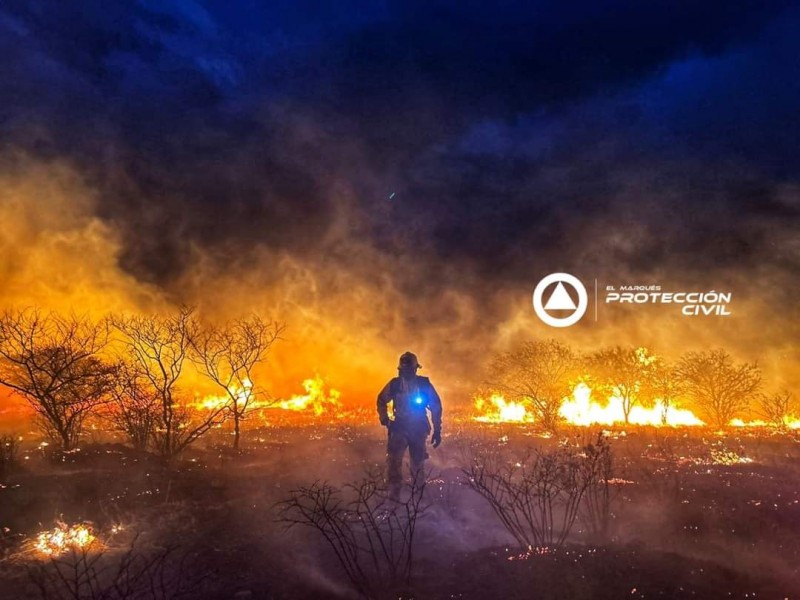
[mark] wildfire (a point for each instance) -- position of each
(790, 422)
(63, 538)
(316, 399)
(498, 410)
(581, 409)
(241, 393)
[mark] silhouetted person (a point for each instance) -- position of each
(412, 396)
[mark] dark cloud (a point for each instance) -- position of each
(512, 138)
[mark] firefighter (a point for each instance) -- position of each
(412, 396)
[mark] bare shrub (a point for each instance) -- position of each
(720, 387)
(776, 409)
(598, 468)
(135, 406)
(540, 374)
(539, 497)
(665, 384)
(624, 371)
(228, 356)
(52, 362)
(371, 534)
(159, 346)
(89, 573)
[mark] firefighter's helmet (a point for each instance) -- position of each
(409, 360)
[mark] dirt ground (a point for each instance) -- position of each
(693, 515)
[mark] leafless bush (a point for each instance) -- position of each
(718, 385)
(625, 371)
(539, 374)
(776, 408)
(91, 574)
(158, 346)
(228, 356)
(53, 363)
(539, 497)
(598, 469)
(134, 408)
(9, 448)
(371, 534)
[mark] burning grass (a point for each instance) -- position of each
(675, 492)
(583, 408)
(63, 538)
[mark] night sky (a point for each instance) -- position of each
(401, 174)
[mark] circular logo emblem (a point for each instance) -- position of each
(560, 301)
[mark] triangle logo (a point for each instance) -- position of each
(560, 299)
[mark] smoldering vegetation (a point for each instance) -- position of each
(656, 512)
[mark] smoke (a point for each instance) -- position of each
(57, 253)
(386, 183)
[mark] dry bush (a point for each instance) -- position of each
(718, 386)
(371, 534)
(777, 408)
(53, 362)
(624, 371)
(228, 356)
(158, 348)
(90, 573)
(539, 374)
(539, 497)
(599, 470)
(134, 407)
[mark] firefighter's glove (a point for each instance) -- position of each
(385, 421)
(436, 438)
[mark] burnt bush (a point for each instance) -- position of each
(539, 497)
(371, 533)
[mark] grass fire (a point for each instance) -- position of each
(399, 300)
(562, 463)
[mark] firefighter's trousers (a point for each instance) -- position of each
(401, 438)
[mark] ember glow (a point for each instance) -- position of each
(63, 538)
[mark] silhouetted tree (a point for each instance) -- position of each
(539, 373)
(719, 387)
(52, 361)
(135, 406)
(624, 372)
(227, 356)
(159, 347)
(777, 408)
(664, 383)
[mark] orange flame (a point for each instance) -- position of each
(316, 399)
(64, 537)
(498, 410)
(581, 409)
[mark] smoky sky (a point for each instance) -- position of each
(483, 143)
